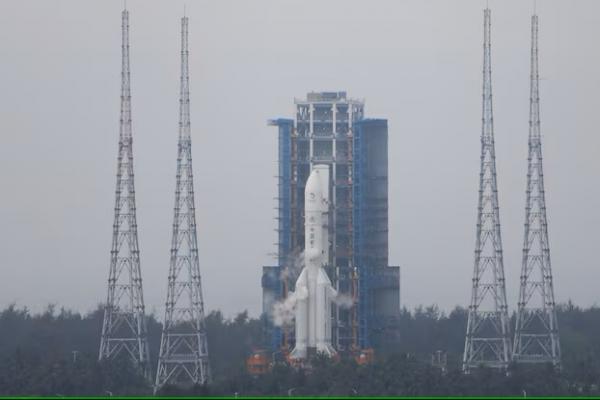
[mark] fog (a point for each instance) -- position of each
(417, 63)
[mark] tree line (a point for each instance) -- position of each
(54, 353)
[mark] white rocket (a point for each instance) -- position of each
(314, 293)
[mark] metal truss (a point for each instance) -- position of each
(536, 332)
(183, 358)
(487, 341)
(124, 328)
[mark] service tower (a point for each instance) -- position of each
(330, 129)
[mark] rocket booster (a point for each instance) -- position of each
(314, 291)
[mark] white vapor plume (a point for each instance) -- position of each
(294, 267)
(284, 311)
(344, 300)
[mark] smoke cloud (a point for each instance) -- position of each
(343, 300)
(283, 311)
(294, 266)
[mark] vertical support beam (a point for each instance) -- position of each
(358, 233)
(124, 331)
(183, 358)
(536, 332)
(311, 133)
(487, 339)
(287, 145)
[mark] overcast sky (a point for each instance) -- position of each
(417, 63)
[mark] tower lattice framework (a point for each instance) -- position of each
(487, 339)
(536, 332)
(183, 358)
(124, 328)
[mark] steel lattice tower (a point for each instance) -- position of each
(124, 328)
(183, 355)
(487, 340)
(536, 332)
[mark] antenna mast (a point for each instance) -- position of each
(536, 333)
(487, 339)
(183, 358)
(124, 327)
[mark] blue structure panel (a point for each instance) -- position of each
(378, 284)
(272, 292)
(271, 279)
(286, 127)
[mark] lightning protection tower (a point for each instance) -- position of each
(536, 332)
(183, 358)
(124, 328)
(487, 340)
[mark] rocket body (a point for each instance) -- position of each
(314, 291)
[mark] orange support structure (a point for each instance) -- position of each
(364, 357)
(258, 363)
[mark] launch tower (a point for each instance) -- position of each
(124, 328)
(330, 128)
(487, 339)
(183, 358)
(536, 333)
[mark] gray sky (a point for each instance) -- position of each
(417, 63)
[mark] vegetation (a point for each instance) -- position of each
(55, 353)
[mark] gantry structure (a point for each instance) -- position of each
(124, 331)
(331, 128)
(183, 357)
(536, 332)
(487, 341)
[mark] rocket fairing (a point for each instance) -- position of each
(314, 292)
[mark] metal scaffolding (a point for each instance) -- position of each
(124, 327)
(330, 128)
(536, 332)
(183, 358)
(487, 339)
